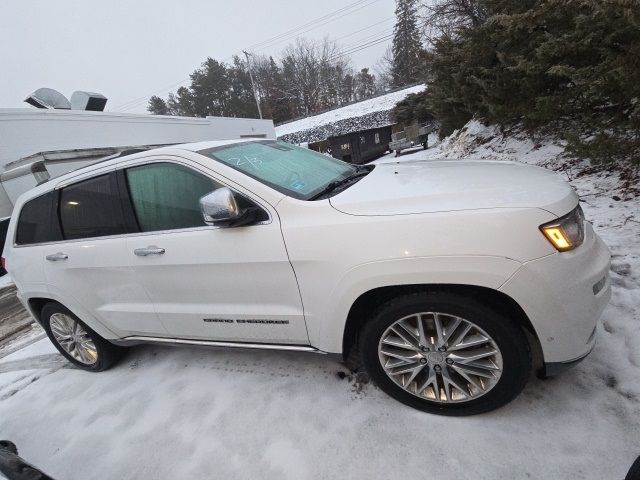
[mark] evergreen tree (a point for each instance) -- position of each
(310, 76)
(567, 66)
(365, 84)
(157, 106)
(273, 98)
(347, 89)
(406, 44)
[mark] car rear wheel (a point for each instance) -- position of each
(445, 353)
(76, 341)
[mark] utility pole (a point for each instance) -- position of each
(253, 86)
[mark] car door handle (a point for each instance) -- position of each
(152, 250)
(56, 257)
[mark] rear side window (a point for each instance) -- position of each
(166, 196)
(38, 221)
(92, 208)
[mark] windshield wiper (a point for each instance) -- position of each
(331, 186)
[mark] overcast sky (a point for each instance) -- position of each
(130, 50)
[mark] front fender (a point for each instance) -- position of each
(327, 329)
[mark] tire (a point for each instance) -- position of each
(503, 362)
(93, 353)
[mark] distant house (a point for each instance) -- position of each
(357, 133)
(371, 113)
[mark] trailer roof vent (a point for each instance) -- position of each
(94, 102)
(48, 98)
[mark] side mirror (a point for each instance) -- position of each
(221, 208)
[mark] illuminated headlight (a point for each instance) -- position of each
(567, 232)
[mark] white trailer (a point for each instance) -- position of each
(38, 144)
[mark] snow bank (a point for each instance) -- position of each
(6, 280)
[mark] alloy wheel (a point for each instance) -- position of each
(440, 357)
(73, 338)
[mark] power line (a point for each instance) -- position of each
(325, 19)
(132, 103)
(365, 28)
(303, 26)
(315, 26)
(363, 46)
(360, 3)
(367, 38)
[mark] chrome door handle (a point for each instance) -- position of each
(56, 257)
(152, 250)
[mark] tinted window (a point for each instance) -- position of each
(166, 196)
(92, 208)
(38, 221)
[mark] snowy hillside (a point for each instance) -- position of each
(370, 113)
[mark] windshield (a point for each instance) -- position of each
(295, 171)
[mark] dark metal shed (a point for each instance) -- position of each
(361, 147)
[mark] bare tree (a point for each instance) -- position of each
(444, 17)
(382, 69)
(312, 71)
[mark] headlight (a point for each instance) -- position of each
(567, 232)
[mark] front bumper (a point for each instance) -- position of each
(551, 369)
(564, 295)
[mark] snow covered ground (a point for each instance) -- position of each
(6, 280)
(173, 413)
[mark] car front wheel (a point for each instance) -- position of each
(445, 353)
(76, 341)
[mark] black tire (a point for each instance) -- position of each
(509, 338)
(107, 353)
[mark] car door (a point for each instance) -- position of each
(91, 265)
(206, 282)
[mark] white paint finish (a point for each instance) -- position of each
(360, 253)
(556, 292)
(471, 238)
(222, 273)
(98, 276)
(417, 187)
(233, 273)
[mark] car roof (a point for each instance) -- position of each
(197, 146)
(189, 147)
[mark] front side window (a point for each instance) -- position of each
(166, 196)
(92, 208)
(38, 221)
(297, 172)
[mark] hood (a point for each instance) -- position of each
(450, 185)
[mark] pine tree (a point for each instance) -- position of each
(564, 66)
(406, 44)
(157, 106)
(365, 84)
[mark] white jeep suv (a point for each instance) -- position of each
(451, 280)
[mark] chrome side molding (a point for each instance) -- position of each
(211, 343)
